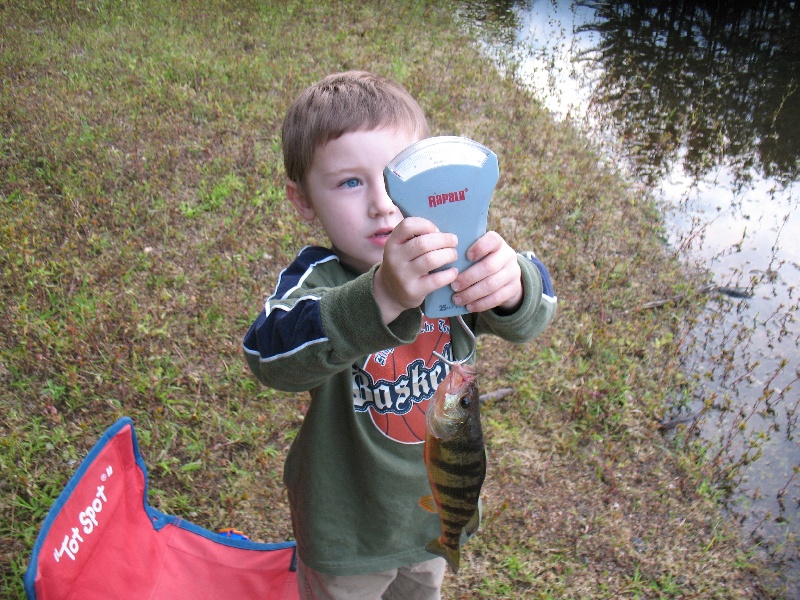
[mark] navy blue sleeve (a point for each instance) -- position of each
(289, 323)
(547, 283)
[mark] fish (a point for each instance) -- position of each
(455, 460)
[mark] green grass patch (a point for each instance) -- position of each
(142, 223)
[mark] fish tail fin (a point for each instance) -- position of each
(451, 556)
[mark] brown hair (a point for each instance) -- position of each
(342, 103)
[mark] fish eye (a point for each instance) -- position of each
(465, 402)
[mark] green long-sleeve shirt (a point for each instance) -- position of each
(355, 471)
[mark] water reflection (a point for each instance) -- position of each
(702, 100)
(701, 83)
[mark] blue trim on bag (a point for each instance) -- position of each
(30, 573)
(157, 518)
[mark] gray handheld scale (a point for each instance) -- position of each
(448, 180)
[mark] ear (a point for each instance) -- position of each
(301, 202)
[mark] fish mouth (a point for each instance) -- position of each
(463, 375)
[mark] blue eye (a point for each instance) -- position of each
(351, 183)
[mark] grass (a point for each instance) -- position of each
(142, 223)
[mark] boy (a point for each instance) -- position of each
(345, 323)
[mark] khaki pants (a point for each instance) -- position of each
(422, 581)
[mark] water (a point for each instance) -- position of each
(702, 103)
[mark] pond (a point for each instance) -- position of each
(700, 102)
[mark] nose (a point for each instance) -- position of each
(380, 202)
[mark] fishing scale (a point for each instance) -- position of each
(448, 180)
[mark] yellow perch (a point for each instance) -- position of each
(455, 458)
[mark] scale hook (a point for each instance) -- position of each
(471, 337)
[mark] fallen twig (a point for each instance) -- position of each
(496, 394)
(733, 292)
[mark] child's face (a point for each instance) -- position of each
(345, 190)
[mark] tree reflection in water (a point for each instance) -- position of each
(706, 83)
(701, 100)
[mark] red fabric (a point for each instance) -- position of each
(104, 541)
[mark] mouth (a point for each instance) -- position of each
(381, 234)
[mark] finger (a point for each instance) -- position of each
(411, 227)
(489, 242)
(434, 259)
(493, 300)
(487, 266)
(439, 279)
(432, 242)
(484, 288)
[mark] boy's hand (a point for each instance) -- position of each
(494, 281)
(414, 249)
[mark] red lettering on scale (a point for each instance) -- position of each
(435, 200)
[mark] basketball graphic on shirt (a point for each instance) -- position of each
(408, 428)
(394, 385)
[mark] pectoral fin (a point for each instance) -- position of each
(428, 503)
